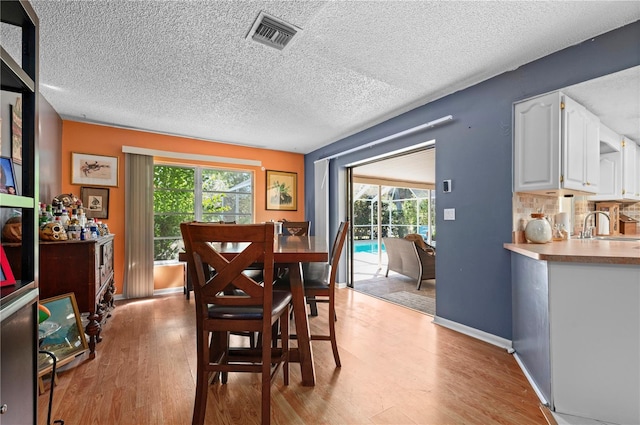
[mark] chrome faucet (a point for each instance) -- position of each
(587, 233)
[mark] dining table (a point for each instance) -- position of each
(290, 252)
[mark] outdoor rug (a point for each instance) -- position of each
(401, 290)
(416, 302)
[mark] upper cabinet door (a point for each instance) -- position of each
(581, 153)
(630, 183)
(574, 119)
(556, 147)
(537, 143)
(592, 152)
(610, 187)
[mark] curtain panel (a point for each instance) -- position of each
(138, 273)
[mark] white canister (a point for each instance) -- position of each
(538, 229)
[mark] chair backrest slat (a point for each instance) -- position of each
(295, 228)
(217, 273)
(336, 249)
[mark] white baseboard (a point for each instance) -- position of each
(475, 333)
(543, 400)
(165, 291)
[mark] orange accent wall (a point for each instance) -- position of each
(103, 140)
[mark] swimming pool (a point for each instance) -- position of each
(368, 246)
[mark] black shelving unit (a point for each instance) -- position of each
(19, 302)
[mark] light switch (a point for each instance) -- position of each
(449, 213)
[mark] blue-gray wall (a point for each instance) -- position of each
(473, 271)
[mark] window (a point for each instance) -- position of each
(196, 193)
(402, 211)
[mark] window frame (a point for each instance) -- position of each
(199, 195)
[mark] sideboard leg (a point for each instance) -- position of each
(93, 330)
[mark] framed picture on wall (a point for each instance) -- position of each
(61, 333)
(16, 131)
(94, 170)
(95, 201)
(282, 190)
(7, 177)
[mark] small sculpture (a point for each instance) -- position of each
(52, 231)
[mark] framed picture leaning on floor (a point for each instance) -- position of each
(61, 333)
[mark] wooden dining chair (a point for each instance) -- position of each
(320, 285)
(227, 300)
(295, 228)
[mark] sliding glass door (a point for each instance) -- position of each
(380, 211)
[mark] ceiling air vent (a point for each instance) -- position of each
(272, 31)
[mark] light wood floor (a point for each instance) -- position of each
(397, 368)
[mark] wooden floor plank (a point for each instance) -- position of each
(398, 368)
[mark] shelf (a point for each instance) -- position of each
(14, 78)
(18, 13)
(13, 201)
(22, 294)
(18, 302)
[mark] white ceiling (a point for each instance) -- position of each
(412, 167)
(186, 67)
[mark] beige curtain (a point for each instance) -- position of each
(138, 273)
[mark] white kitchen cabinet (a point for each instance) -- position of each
(583, 364)
(638, 173)
(610, 141)
(556, 146)
(630, 183)
(610, 187)
(619, 168)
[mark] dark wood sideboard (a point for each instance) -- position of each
(82, 267)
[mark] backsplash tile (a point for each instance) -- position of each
(526, 203)
(632, 210)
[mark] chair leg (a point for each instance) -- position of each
(266, 395)
(313, 305)
(202, 382)
(219, 344)
(332, 332)
(284, 326)
(200, 406)
(226, 342)
(266, 380)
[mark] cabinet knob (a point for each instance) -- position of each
(3, 409)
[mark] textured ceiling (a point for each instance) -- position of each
(614, 98)
(187, 68)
